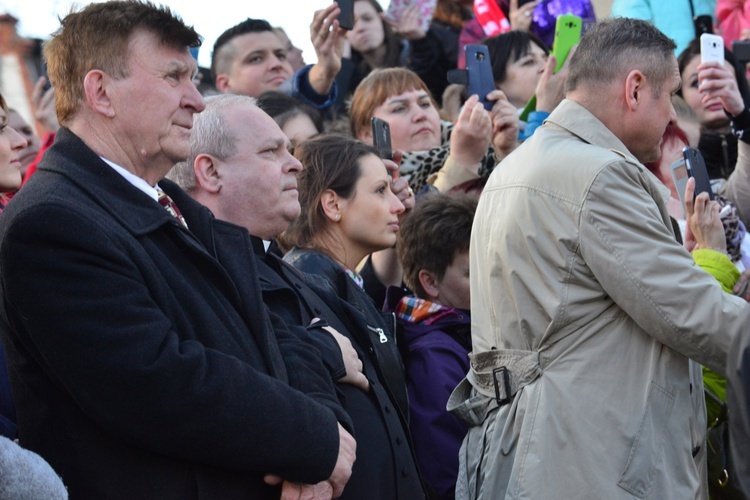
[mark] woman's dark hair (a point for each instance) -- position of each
(510, 47)
(694, 49)
(282, 108)
(329, 162)
(391, 40)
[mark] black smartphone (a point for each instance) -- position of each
(479, 72)
(346, 18)
(696, 168)
(741, 50)
(703, 24)
(381, 138)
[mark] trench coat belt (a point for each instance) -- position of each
(494, 378)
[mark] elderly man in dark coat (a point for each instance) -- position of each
(240, 168)
(142, 359)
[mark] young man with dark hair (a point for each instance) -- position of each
(433, 247)
(250, 58)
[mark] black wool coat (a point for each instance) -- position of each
(386, 466)
(142, 359)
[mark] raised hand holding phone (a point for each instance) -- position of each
(479, 68)
(696, 168)
(704, 227)
(567, 34)
(712, 48)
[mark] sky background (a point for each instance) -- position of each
(39, 18)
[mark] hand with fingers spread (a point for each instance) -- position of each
(717, 81)
(43, 103)
(705, 230)
(520, 17)
(471, 135)
(410, 24)
(505, 124)
(328, 40)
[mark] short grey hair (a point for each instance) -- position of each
(614, 47)
(210, 136)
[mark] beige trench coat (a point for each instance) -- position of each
(574, 265)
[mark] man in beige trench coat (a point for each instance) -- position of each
(585, 309)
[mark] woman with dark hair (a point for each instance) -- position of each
(348, 211)
(348, 208)
(522, 67)
(297, 120)
(718, 95)
(374, 44)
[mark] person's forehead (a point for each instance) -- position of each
(363, 7)
(258, 41)
(253, 126)
(406, 95)
(147, 47)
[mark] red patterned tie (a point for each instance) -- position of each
(170, 206)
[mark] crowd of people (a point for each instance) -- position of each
(230, 291)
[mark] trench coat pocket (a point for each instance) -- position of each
(647, 450)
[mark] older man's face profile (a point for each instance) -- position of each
(259, 182)
(154, 105)
(656, 112)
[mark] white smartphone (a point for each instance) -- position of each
(712, 48)
(680, 177)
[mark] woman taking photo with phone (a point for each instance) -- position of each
(717, 93)
(402, 99)
(522, 67)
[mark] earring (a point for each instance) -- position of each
(337, 217)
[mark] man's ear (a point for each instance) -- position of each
(207, 173)
(95, 87)
(222, 83)
(429, 284)
(332, 205)
(635, 84)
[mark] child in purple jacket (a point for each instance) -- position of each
(433, 248)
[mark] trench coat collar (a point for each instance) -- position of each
(580, 122)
